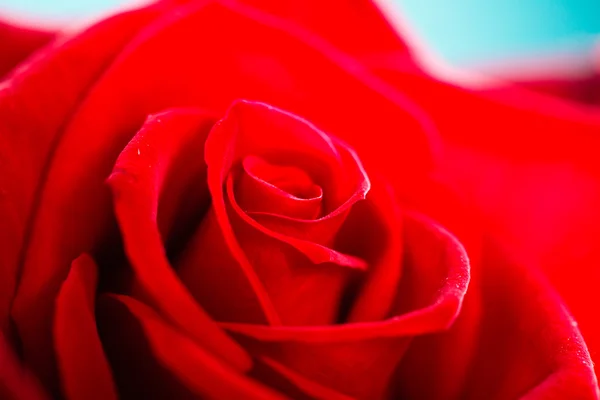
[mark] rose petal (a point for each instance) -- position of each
(436, 274)
(356, 27)
(504, 114)
(360, 27)
(17, 43)
(16, 382)
(321, 230)
(379, 221)
(445, 357)
(281, 190)
(35, 104)
(212, 274)
(532, 338)
(528, 345)
(293, 384)
(143, 171)
(192, 366)
(324, 230)
(533, 179)
(255, 128)
(83, 368)
(267, 257)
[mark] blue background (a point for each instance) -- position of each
(462, 32)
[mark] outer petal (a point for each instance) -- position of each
(380, 243)
(527, 165)
(17, 43)
(523, 342)
(162, 156)
(188, 370)
(35, 104)
(430, 293)
(84, 371)
(356, 27)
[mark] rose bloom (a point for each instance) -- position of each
(268, 199)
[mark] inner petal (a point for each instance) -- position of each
(277, 189)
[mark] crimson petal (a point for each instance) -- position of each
(83, 368)
(141, 173)
(16, 382)
(17, 43)
(35, 104)
(192, 365)
(280, 190)
(430, 294)
(271, 258)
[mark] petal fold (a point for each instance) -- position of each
(191, 369)
(166, 149)
(84, 370)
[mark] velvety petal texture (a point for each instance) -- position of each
(429, 297)
(378, 306)
(533, 183)
(272, 199)
(290, 260)
(35, 105)
(17, 43)
(138, 180)
(191, 365)
(79, 219)
(84, 371)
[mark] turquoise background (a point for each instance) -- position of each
(463, 32)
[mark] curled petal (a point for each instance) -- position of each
(280, 263)
(529, 345)
(315, 252)
(380, 243)
(257, 129)
(280, 190)
(84, 371)
(209, 270)
(191, 369)
(322, 230)
(430, 293)
(39, 241)
(146, 167)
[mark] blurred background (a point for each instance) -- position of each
(463, 33)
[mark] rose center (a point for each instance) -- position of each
(277, 189)
(289, 179)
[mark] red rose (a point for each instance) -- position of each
(243, 199)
